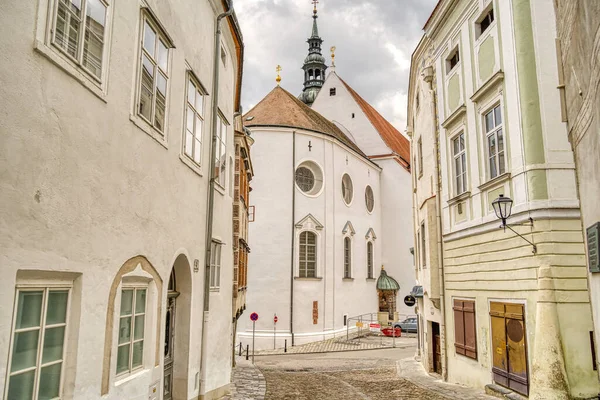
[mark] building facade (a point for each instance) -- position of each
(578, 31)
(316, 233)
(106, 168)
(485, 119)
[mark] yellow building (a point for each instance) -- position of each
(502, 307)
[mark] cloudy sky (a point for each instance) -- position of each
(374, 41)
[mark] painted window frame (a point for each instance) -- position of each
(134, 287)
(347, 189)
(347, 257)
(42, 328)
(370, 259)
(220, 160)
(78, 58)
(147, 19)
(500, 155)
(305, 273)
(216, 254)
(198, 117)
(459, 174)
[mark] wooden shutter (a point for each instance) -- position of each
(470, 329)
(459, 327)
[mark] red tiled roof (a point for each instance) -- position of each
(390, 135)
(281, 108)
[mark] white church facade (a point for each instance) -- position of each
(332, 206)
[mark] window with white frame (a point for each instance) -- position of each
(452, 60)
(220, 154)
(423, 248)
(420, 150)
(194, 116)
(307, 256)
(347, 189)
(79, 32)
(132, 322)
(215, 265)
(484, 22)
(347, 257)
(370, 260)
(460, 163)
(154, 74)
(494, 142)
(37, 357)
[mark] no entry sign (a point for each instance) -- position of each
(254, 316)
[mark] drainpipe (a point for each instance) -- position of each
(293, 235)
(440, 245)
(211, 197)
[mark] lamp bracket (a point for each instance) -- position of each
(534, 251)
(528, 223)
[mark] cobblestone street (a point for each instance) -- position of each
(380, 374)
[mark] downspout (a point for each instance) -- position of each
(440, 245)
(211, 198)
(293, 235)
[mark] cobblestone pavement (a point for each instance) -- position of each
(341, 344)
(382, 374)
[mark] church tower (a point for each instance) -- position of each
(314, 64)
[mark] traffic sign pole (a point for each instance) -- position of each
(274, 329)
(253, 318)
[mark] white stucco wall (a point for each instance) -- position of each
(270, 239)
(84, 189)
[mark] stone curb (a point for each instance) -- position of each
(329, 351)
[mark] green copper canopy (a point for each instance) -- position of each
(314, 65)
(385, 282)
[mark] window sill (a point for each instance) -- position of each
(370, 279)
(460, 197)
(347, 279)
(61, 62)
(455, 116)
(297, 278)
(146, 127)
(491, 83)
(191, 164)
(215, 290)
(499, 179)
(127, 378)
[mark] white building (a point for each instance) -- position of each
(332, 198)
(105, 167)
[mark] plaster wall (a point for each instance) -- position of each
(270, 239)
(85, 188)
(578, 28)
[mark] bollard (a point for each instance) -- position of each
(240, 349)
(247, 351)
(285, 346)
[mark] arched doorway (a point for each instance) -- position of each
(176, 352)
(169, 350)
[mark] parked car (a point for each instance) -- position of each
(409, 325)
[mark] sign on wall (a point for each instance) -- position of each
(315, 312)
(593, 245)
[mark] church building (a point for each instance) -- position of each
(331, 197)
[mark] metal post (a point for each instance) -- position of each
(393, 336)
(240, 349)
(285, 346)
(253, 330)
(347, 328)
(247, 351)
(274, 331)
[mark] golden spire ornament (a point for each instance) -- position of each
(315, 2)
(332, 56)
(278, 79)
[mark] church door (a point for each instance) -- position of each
(169, 339)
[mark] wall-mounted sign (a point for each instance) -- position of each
(410, 300)
(593, 245)
(315, 312)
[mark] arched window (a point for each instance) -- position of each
(369, 260)
(369, 199)
(347, 192)
(308, 255)
(318, 74)
(347, 257)
(311, 74)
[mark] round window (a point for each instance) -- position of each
(369, 199)
(347, 192)
(309, 178)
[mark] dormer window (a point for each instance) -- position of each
(484, 23)
(332, 92)
(452, 60)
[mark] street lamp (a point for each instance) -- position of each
(503, 208)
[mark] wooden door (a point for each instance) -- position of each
(437, 348)
(509, 346)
